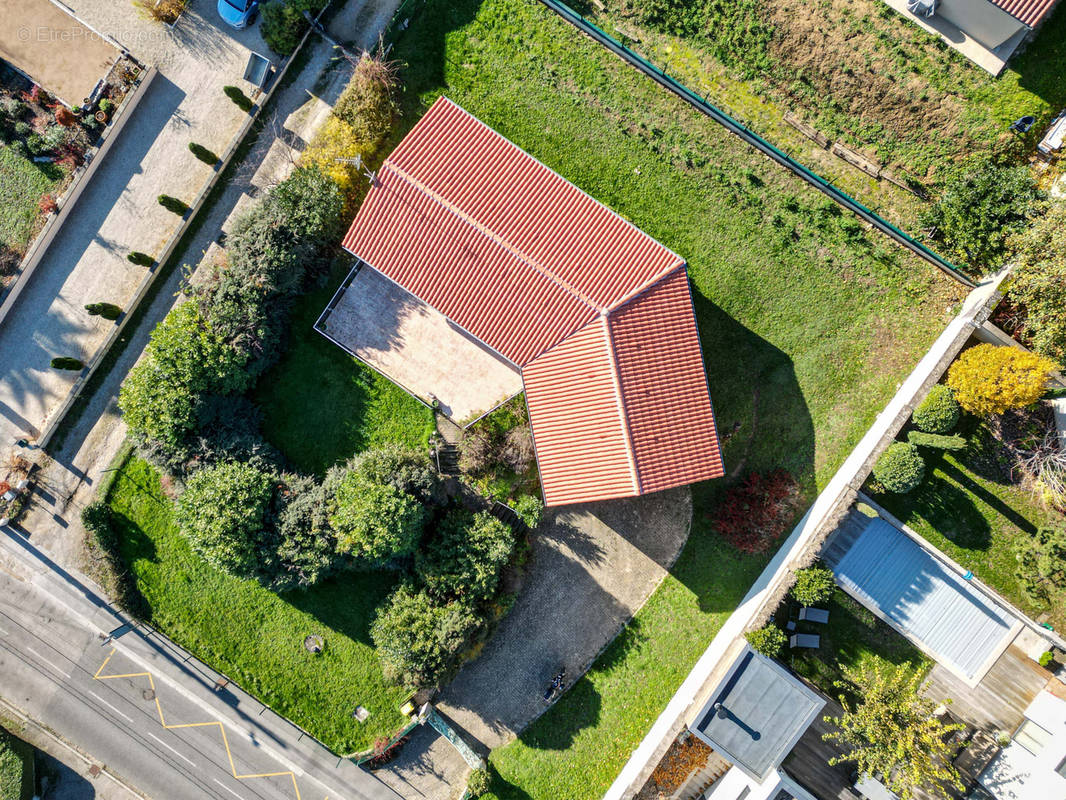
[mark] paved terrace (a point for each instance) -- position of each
(415, 346)
(118, 211)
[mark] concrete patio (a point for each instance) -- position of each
(417, 347)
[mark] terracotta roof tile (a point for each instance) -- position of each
(1031, 12)
(597, 313)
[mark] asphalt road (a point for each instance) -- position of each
(58, 671)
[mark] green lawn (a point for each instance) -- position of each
(21, 185)
(969, 507)
(854, 638)
(808, 324)
(16, 773)
(320, 405)
(255, 636)
(855, 69)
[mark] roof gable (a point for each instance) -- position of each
(596, 313)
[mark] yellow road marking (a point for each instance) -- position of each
(162, 721)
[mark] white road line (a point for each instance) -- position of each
(224, 786)
(171, 749)
(49, 663)
(102, 700)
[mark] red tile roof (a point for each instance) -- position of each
(596, 313)
(1031, 12)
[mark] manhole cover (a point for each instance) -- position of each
(360, 713)
(314, 644)
(148, 694)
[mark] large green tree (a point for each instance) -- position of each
(981, 204)
(890, 731)
(223, 512)
(465, 556)
(375, 523)
(1039, 282)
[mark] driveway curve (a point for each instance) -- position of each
(591, 569)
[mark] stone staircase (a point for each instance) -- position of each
(447, 458)
(702, 779)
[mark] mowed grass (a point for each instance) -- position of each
(320, 406)
(970, 508)
(255, 636)
(854, 639)
(808, 323)
(21, 185)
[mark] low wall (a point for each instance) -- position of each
(838, 494)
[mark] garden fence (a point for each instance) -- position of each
(755, 140)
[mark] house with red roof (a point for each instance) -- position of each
(529, 276)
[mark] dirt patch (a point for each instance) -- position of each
(853, 67)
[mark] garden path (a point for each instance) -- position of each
(592, 567)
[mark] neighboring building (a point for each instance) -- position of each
(754, 716)
(985, 31)
(1033, 765)
(594, 314)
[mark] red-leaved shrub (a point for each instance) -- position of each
(64, 117)
(47, 204)
(755, 512)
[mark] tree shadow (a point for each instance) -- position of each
(989, 499)
(347, 602)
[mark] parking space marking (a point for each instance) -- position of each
(99, 676)
(102, 700)
(173, 750)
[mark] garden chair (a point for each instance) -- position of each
(814, 615)
(805, 640)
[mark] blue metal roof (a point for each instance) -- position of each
(889, 573)
(757, 713)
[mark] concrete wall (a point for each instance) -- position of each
(983, 21)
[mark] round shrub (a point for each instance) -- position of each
(66, 362)
(173, 204)
(281, 26)
(243, 101)
(770, 641)
(407, 470)
(374, 523)
(991, 379)
(106, 310)
(938, 412)
(478, 782)
(223, 513)
(465, 556)
(813, 585)
(530, 509)
(203, 153)
(420, 641)
(140, 259)
(900, 468)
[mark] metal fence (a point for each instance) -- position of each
(755, 140)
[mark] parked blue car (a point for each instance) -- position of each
(238, 13)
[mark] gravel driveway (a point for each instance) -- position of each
(592, 568)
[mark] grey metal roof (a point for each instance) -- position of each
(888, 572)
(765, 711)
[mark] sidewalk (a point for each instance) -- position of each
(118, 211)
(244, 717)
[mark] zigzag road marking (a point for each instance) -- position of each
(162, 721)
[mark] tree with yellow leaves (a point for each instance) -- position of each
(990, 379)
(892, 733)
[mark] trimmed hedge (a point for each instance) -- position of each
(938, 412)
(900, 468)
(921, 439)
(105, 310)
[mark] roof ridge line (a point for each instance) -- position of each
(486, 232)
(649, 284)
(616, 382)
